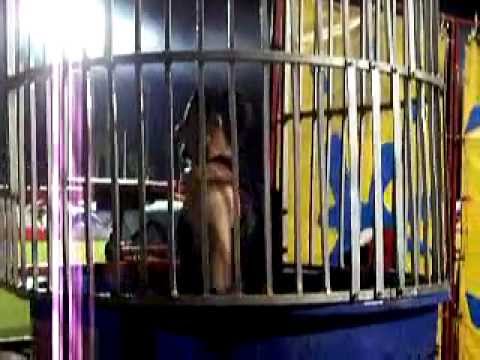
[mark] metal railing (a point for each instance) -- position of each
(415, 85)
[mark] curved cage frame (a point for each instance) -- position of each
(419, 73)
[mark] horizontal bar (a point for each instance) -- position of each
(37, 74)
(78, 180)
(230, 55)
(302, 300)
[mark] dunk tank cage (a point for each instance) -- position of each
(345, 154)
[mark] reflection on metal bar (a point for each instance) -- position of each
(323, 142)
(87, 112)
(141, 154)
(34, 182)
(205, 242)
(114, 165)
(64, 169)
(74, 180)
(48, 125)
(378, 186)
(313, 164)
(354, 171)
(23, 98)
(294, 11)
(171, 158)
(351, 93)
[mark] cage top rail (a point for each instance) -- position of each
(230, 55)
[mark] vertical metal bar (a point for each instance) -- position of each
(377, 159)
(440, 241)
(296, 148)
(141, 153)
(351, 92)
(364, 54)
(205, 243)
(34, 183)
(378, 35)
(423, 153)
(434, 203)
(328, 119)
(48, 122)
(354, 169)
(112, 116)
(64, 165)
(88, 152)
(265, 33)
(313, 165)
(21, 118)
(14, 155)
(389, 21)
(171, 157)
(30, 112)
(234, 139)
(398, 158)
(322, 140)
(410, 134)
(343, 156)
(378, 186)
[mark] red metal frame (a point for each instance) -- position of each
(450, 312)
(276, 98)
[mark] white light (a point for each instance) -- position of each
(69, 27)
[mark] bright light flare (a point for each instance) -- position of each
(70, 27)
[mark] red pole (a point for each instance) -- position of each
(276, 98)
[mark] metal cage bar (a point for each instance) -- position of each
(171, 168)
(377, 159)
(141, 154)
(34, 183)
(267, 231)
(323, 144)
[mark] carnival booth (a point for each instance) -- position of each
(226, 179)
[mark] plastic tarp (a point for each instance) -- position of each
(470, 239)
